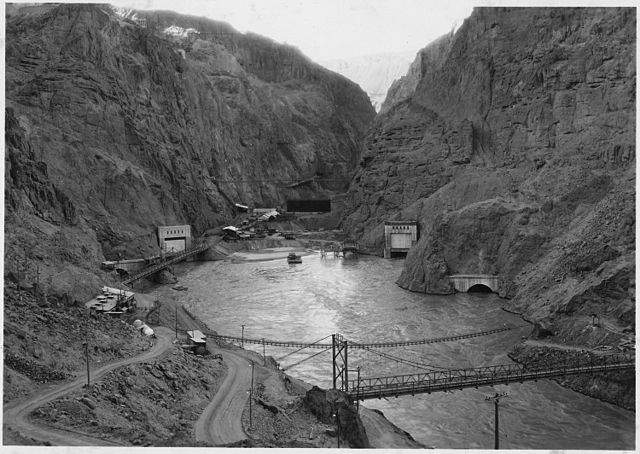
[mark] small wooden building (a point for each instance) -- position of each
(399, 237)
(198, 341)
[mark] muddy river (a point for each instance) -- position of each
(359, 299)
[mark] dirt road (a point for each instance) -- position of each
(220, 422)
(16, 416)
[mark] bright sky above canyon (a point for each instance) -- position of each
(329, 29)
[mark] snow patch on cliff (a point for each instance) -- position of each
(179, 32)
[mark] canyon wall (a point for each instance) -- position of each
(512, 142)
(118, 121)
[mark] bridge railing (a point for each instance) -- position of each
(482, 376)
(159, 266)
(581, 361)
(434, 377)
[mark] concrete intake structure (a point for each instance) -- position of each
(174, 238)
(464, 282)
(399, 237)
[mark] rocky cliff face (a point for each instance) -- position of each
(119, 121)
(512, 142)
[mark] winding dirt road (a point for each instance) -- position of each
(16, 416)
(220, 422)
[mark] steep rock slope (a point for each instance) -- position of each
(119, 121)
(513, 144)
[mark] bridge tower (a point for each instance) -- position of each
(339, 349)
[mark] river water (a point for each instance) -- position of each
(359, 299)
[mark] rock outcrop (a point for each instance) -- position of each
(512, 142)
(333, 407)
(119, 121)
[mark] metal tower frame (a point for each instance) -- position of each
(340, 349)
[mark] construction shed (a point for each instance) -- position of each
(198, 341)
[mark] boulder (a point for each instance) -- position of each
(333, 407)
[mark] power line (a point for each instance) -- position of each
(305, 359)
(399, 359)
(302, 348)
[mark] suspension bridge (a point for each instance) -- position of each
(432, 378)
(354, 345)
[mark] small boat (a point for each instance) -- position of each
(293, 258)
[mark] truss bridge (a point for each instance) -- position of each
(165, 263)
(457, 379)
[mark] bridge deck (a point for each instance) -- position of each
(448, 380)
(162, 265)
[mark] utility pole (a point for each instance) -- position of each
(86, 356)
(496, 438)
(338, 424)
(264, 355)
(358, 392)
(37, 279)
(242, 337)
(496, 400)
(333, 351)
(176, 318)
(251, 399)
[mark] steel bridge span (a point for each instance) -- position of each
(458, 379)
(164, 264)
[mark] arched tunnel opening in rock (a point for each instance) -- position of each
(479, 288)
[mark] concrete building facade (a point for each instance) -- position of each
(399, 237)
(174, 238)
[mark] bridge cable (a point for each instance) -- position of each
(434, 340)
(302, 348)
(399, 359)
(305, 359)
(356, 345)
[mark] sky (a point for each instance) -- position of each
(330, 29)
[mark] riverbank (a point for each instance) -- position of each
(579, 342)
